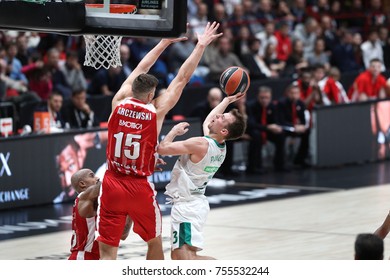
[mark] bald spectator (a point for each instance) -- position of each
(125, 59)
(368, 246)
(202, 109)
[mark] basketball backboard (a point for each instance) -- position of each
(142, 18)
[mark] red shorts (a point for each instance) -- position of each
(127, 195)
(82, 255)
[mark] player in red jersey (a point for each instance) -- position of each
(133, 128)
(83, 243)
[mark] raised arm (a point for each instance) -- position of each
(143, 67)
(220, 109)
(194, 145)
(384, 229)
(88, 201)
(168, 100)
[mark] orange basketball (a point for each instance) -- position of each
(233, 80)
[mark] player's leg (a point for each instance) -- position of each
(107, 252)
(186, 252)
(155, 249)
(187, 220)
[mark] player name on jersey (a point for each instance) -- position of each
(134, 114)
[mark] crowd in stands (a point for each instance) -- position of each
(308, 41)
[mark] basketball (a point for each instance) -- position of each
(234, 80)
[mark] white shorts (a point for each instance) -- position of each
(187, 221)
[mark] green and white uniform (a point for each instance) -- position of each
(186, 191)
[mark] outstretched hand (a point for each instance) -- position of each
(209, 34)
(181, 128)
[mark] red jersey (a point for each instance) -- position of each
(132, 138)
(364, 83)
(83, 244)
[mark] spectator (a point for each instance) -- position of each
(241, 44)
(329, 35)
(376, 15)
(368, 246)
(344, 55)
(23, 51)
(39, 77)
(14, 66)
(221, 58)
(319, 56)
(295, 61)
(58, 79)
(73, 73)
(203, 108)
(199, 22)
(383, 33)
(265, 12)
(298, 10)
(267, 36)
(319, 9)
(219, 15)
(262, 127)
(368, 85)
(308, 94)
(54, 106)
(180, 51)
(334, 73)
(125, 59)
(139, 47)
(356, 16)
(77, 113)
(253, 24)
(283, 14)
(107, 81)
(307, 34)
(295, 120)
(271, 60)
(284, 45)
(257, 67)
(371, 49)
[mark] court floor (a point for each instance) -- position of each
(302, 215)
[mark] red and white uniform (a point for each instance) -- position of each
(132, 138)
(83, 244)
(333, 91)
(131, 149)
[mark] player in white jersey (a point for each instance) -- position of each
(200, 158)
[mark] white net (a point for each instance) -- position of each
(102, 51)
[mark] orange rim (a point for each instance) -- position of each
(115, 8)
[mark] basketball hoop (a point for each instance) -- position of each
(104, 50)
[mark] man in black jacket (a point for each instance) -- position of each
(295, 121)
(263, 127)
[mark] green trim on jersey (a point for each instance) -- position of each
(211, 169)
(185, 234)
(218, 144)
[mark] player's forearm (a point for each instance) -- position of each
(168, 139)
(219, 109)
(189, 66)
(149, 59)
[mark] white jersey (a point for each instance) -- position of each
(188, 179)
